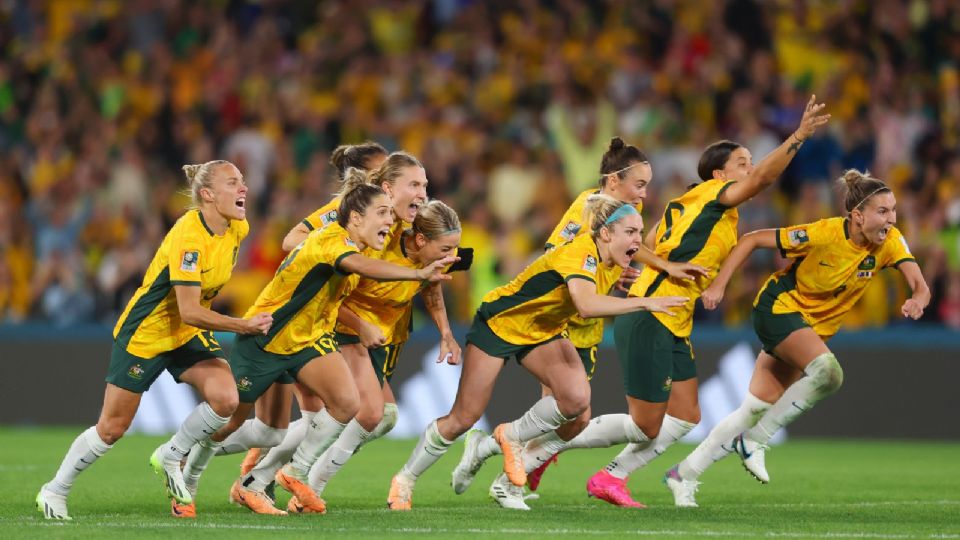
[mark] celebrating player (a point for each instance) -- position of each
(797, 310)
(167, 326)
(525, 320)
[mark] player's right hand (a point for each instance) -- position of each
(712, 296)
(811, 120)
(258, 324)
(371, 336)
(663, 304)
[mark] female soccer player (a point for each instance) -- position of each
(167, 326)
(797, 310)
(525, 320)
(655, 353)
(304, 298)
(625, 173)
(387, 308)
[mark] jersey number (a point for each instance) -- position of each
(293, 255)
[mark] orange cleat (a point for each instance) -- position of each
(295, 507)
(256, 501)
(183, 510)
(401, 493)
(304, 493)
(512, 454)
(250, 460)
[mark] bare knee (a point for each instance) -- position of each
(224, 400)
(573, 401)
(344, 406)
(112, 429)
(369, 417)
(649, 426)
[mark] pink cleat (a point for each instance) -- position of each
(533, 479)
(607, 487)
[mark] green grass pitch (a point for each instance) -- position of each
(820, 489)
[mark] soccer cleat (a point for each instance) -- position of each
(512, 454)
(753, 456)
(683, 490)
(256, 501)
(401, 493)
(250, 460)
(507, 495)
(183, 510)
(172, 477)
(52, 505)
(295, 507)
(533, 479)
(608, 487)
(296, 485)
(466, 470)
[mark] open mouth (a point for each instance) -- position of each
(382, 234)
(883, 233)
(415, 207)
(241, 202)
(632, 251)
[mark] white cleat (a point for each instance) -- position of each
(684, 491)
(753, 456)
(52, 505)
(469, 465)
(507, 495)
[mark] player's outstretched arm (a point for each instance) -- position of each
(765, 238)
(589, 304)
(914, 305)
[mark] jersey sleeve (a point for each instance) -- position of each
(797, 240)
(314, 220)
(341, 248)
(896, 250)
(572, 263)
(183, 259)
(570, 224)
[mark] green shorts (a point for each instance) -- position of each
(484, 339)
(773, 328)
(384, 359)
(588, 355)
(255, 369)
(651, 356)
(137, 374)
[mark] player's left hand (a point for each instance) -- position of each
(685, 271)
(629, 275)
(449, 350)
(912, 308)
(434, 271)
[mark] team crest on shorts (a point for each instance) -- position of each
(667, 384)
(590, 264)
(188, 263)
(570, 230)
(244, 384)
(798, 236)
(136, 372)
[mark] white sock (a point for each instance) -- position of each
(199, 425)
(390, 415)
(638, 455)
(337, 455)
(539, 450)
(254, 433)
(86, 448)
(200, 456)
(823, 377)
(606, 431)
(324, 430)
(717, 444)
(543, 417)
(431, 447)
(488, 447)
(280, 455)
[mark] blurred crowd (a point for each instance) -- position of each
(509, 104)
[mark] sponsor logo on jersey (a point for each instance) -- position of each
(590, 264)
(868, 263)
(570, 230)
(798, 236)
(189, 261)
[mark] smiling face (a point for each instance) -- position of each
(738, 166)
(227, 192)
(876, 217)
(632, 189)
(374, 224)
(408, 191)
(623, 239)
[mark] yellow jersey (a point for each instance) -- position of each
(584, 333)
(829, 273)
(536, 305)
(323, 216)
(696, 228)
(305, 293)
(191, 254)
(386, 304)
